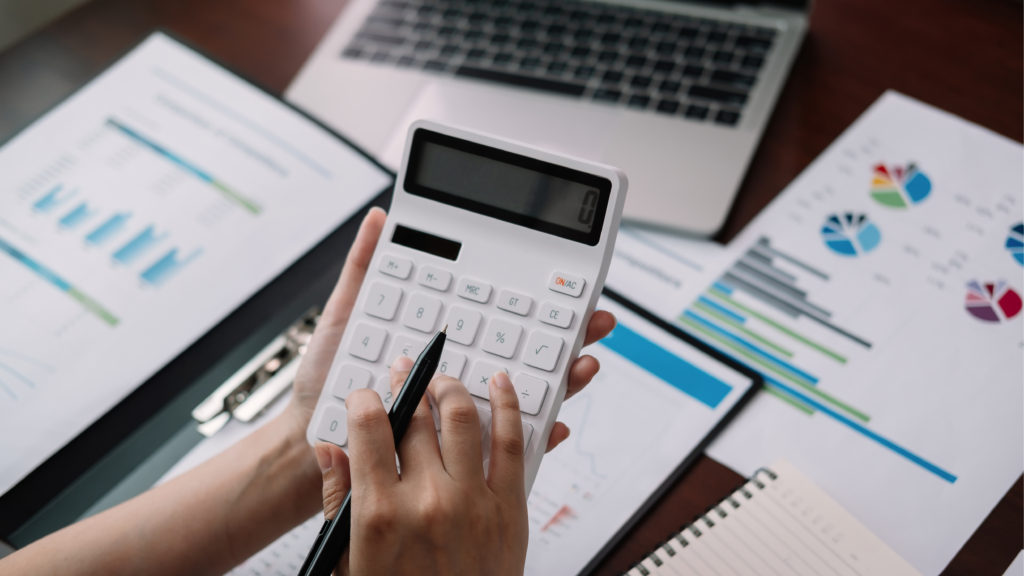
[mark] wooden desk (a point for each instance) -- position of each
(964, 57)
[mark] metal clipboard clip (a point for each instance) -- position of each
(260, 381)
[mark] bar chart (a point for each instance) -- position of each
(759, 313)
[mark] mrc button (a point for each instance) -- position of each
(567, 283)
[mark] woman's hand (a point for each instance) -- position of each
(440, 515)
(325, 341)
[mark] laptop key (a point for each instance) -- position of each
(664, 66)
(717, 94)
(696, 112)
(612, 77)
(694, 52)
(639, 101)
(436, 65)
(607, 95)
(752, 62)
(753, 44)
(669, 87)
(668, 106)
(521, 80)
(727, 117)
(693, 71)
(640, 81)
(584, 71)
(636, 61)
(722, 57)
(731, 78)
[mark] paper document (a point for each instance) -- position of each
(778, 523)
(133, 218)
(652, 403)
(880, 296)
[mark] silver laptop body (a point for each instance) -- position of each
(675, 93)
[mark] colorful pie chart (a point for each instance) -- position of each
(1015, 242)
(899, 187)
(850, 234)
(992, 302)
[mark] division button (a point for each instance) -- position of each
(531, 392)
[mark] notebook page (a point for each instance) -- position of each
(778, 523)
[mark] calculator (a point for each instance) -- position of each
(505, 244)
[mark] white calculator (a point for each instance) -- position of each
(507, 245)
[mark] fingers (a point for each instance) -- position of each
(334, 469)
(506, 469)
(601, 324)
(371, 444)
(559, 433)
(343, 298)
(418, 451)
(460, 429)
(581, 372)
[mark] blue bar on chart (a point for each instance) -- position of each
(670, 368)
(167, 266)
(52, 199)
(137, 246)
(76, 216)
(108, 228)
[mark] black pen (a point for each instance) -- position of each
(334, 534)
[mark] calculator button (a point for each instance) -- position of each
(404, 346)
(422, 312)
(555, 315)
(502, 337)
(333, 425)
(349, 379)
(382, 301)
(480, 378)
(434, 278)
(452, 363)
(395, 266)
(567, 283)
(475, 290)
(462, 325)
(367, 342)
(383, 389)
(527, 434)
(515, 302)
(542, 351)
(531, 392)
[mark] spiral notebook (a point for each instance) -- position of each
(778, 522)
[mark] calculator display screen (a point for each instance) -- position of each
(518, 189)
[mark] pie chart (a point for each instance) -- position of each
(850, 234)
(1015, 242)
(990, 302)
(899, 187)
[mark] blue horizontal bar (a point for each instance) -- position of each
(867, 432)
(721, 309)
(40, 270)
(754, 349)
(670, 368)
(722, 287)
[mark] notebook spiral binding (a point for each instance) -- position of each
(743, 493)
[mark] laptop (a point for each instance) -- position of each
(675, 93)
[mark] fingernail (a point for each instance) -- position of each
(323, 458)
(501, 380)
(402, 364)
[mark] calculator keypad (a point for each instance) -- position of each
(485, 337)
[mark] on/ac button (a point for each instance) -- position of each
(567, 283)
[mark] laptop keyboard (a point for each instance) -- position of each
(693, 68)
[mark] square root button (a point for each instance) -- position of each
(567, 283)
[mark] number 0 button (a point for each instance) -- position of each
(332, 426)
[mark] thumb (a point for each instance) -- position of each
(334, 470)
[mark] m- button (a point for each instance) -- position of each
(567, 284)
